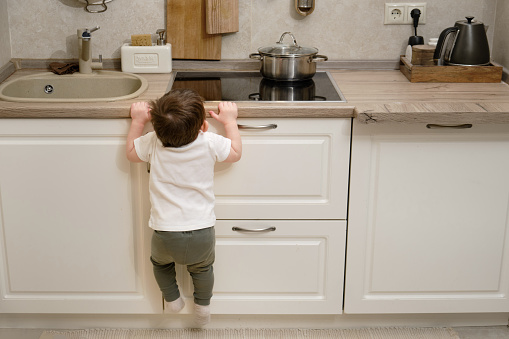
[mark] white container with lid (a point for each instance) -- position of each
(146, 59)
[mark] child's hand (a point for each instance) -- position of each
(140, 111)
(228, 117)
(228, 113)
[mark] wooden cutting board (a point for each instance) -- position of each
(222, 16)
(186, 32)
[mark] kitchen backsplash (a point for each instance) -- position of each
(5, 45)
(501, 42)
(340, 29)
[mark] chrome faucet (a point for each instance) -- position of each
(85, 51)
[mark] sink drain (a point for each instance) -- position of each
(48, 89)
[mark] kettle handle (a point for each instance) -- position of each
(440, 44)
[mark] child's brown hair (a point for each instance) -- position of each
(177, 117)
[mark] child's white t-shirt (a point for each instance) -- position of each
(182, 180)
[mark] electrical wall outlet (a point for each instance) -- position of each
(420, 6)
(399, 13)
(394, 14)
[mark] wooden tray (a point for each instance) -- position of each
(417, 73)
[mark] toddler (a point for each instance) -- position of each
(182, 155)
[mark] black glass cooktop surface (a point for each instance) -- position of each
(251, 86)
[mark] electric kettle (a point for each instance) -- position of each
(467, 44)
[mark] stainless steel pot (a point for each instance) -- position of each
(284, 62)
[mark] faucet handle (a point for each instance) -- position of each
(85, 33)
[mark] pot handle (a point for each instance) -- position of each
(255, 96)
(256, 56)
(318, 57)
(291, 35)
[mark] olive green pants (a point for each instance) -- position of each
(195, 249)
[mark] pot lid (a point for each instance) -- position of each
(287, 50)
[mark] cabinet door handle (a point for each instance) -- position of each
(269, 126)
(436, 126)
(240, 229)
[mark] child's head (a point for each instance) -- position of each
(177, 117)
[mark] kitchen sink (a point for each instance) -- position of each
(97, 86)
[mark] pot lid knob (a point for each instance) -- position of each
(469, 19)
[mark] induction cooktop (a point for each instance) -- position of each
(251, 86)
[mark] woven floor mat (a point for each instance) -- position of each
(364, 333)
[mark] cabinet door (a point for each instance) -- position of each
(73, 233)
(428, 221)
(298, 170)
(285, 267)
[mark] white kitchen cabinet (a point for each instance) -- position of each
(298, 170)
(73, 230)
(291, 177)
(293, 267)
(74, 236)
(428, 220)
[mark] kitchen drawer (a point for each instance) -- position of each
(297, 268)
(298, 170)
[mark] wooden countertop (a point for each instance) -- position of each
(387, 96)
(372, 97)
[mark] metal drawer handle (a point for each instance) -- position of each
(436, 126)
(269, 126)
(254, 230)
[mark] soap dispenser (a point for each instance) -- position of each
(161, 40)
(147, 59)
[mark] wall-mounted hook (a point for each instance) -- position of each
(304, 7)
(102, 4)
(95, 6)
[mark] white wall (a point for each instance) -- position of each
(501, 39)
(340, 29)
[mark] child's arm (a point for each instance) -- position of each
(140, 114)
(227, 115)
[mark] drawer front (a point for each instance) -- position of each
(293, 267)
(298, 170)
